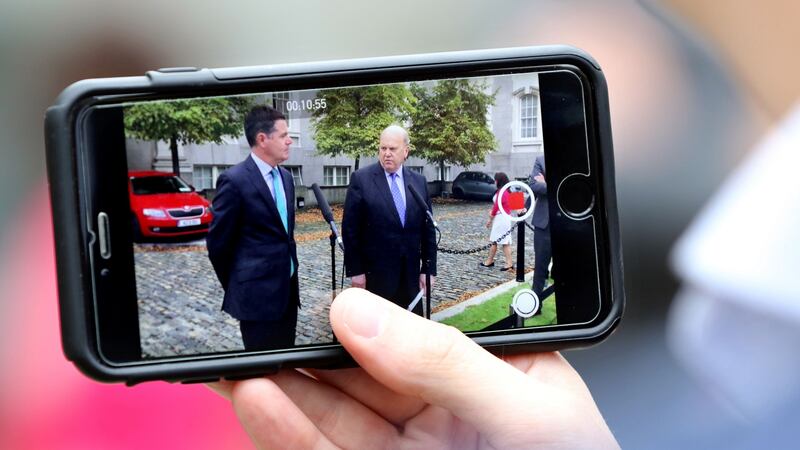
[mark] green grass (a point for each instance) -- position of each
(477, 317)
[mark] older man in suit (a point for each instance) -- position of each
(389, 245)
(541, 224)
(251, 240)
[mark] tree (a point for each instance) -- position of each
(449, 123)
(352, 121)
(194, 121)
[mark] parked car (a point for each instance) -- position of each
(164, 206)
(471, 184)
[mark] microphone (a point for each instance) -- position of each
(422, 204)
(326, 213)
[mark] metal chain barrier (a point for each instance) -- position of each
(478, 249)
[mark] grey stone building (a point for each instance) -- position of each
(515, 120)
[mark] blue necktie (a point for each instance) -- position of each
(398, 200)
(280, 202)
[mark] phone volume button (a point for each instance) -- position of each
(200, 380)
(104, 235)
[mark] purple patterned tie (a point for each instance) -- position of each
(398, 200)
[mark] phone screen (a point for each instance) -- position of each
(229, 251)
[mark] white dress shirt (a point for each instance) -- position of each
(266, 173)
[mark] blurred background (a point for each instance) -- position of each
(680, 124)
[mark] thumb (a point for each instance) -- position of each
(434, 362)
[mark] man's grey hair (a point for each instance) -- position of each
(397, 129)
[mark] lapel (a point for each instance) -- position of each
(379, 177)
(261, 186)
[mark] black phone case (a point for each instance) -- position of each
(78, 321)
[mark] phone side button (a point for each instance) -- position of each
(104, 235)
(177, 69)
(200, 380)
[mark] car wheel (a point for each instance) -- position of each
(458, 193)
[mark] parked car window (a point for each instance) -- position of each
(159, 185)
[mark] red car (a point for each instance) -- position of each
(165, 206)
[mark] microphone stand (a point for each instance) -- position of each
(327, 215)
(429, 221)
(333, 265)
(427, 306)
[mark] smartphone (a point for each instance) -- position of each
(205, 218)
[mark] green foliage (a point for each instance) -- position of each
(449, 123)
(352, 122)
(194, 121)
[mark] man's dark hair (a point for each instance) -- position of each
(260, 119)
(500, 179)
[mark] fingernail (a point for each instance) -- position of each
(364, 316)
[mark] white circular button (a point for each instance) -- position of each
(505, 188)
(526, 303)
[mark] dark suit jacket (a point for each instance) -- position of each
(541, 212)
(375, 242)
(248, 246)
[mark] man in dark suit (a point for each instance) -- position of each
(388, 247)
(541, 224)
(251, 240)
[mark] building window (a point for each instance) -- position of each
(205, 177)
(279, 101)
(336, 175)
(528, 117)
(201, 177)
(439, 175)
(297, 174)
(527, 121)
(416, 169)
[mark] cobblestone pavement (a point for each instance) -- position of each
(180, 297)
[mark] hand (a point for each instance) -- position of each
(422, 281)
(539, 178)
(489, 223)
(422, 385)
(359, 281)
